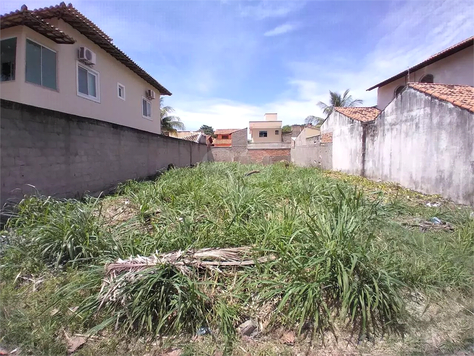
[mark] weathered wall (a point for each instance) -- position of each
(347, 143)
(268, 156)
(424, 144)
(315, 155)
(66, 155)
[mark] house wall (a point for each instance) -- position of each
(455, 69)
(346, 142)
(424, 144)
(66, 155)
(65, 99)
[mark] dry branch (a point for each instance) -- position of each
(184, 260)
(251, 172)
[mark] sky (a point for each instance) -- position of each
(228, 62)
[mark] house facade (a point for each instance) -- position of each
(223, 137)
(454, 65)
(266, 131)
(55, 58)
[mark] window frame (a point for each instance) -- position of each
(396, 92)
(149, 102)
(262, 134)
(15, 66)
(225, 137)
(97, 82)
(41, 65)
(119, 85)
(277, 132)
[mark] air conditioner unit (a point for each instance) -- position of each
(86, 56)
(150, 94)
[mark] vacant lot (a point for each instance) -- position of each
(310, 262)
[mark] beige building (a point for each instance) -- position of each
(454, 65)
(266, 131)
(55, 58)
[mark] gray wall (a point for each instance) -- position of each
(66, 155)
(315, 155)
(424, 144)
(347, 143)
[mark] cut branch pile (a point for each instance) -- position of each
(185, 260)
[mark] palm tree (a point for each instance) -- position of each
(169, 124)
(336, 100)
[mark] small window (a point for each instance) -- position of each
(262, 134)
(225, 137)
(277, 132)
(87, 83)
(399, 90)
(40, 65)
(8, 58)
(146, 108)
(427, 79)
(121, 91)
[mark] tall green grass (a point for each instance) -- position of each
(341, 254)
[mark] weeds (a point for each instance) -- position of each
(342, 255)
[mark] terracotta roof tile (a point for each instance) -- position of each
(434, 58)
(359, 113)
(85, 26)
(459, 95)
(225, 131)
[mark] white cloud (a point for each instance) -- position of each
(280, 30)
(271, 9)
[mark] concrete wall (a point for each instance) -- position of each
(111, 108)
(315, 155)
(455, 69)
(66, 155)
(424, 144)
(347, 143)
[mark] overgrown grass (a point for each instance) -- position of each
(343, 256)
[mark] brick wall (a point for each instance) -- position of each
(267, 156)
(66, 155)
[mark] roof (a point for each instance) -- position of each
(438, 56)
(35, 19)
(363, 114)
(459, 95)
(225, 131)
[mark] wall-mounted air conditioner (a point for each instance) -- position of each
(150, 94)
(86, 56)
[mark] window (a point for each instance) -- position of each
(427, 79)
(120, 91)
(225, 137)
(262, 134)
(8, 58)
(146, 108)
(399, 90)
(87, 83)
(40, 65)
(277, 132)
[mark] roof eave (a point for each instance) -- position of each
(423, 64)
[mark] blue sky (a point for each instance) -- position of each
(227, 62)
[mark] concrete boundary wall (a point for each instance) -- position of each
(316, 155)
(65, 155)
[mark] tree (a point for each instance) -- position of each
(169, 124)
(208, 130)
(286, 128)
(313, 120)
(336, 100)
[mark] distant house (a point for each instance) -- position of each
(454, 65)
(223, 137)
(309, 135)
(266, 131)
(56, 58)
